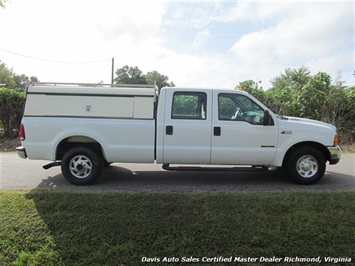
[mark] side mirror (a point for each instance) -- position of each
(267, 118)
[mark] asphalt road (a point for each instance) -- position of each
(17, 173)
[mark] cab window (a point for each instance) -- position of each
(189, 105)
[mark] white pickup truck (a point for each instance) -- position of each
(83, 128)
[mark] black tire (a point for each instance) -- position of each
(82, 166)
(305, 165)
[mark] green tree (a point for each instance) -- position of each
(11, 103)
(7, 76)
(133, 75)
(338, 109)
(130, 75)
(12, 80)
(159, 79)
(11, 99)
(297, 93)
(292, 79)
(253, 88)
(348, 125)
(284, 96)
(313, 95)
(2, 3)
(21, 80)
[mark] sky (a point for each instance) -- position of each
(194, 43)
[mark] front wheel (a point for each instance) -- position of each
(305, 165)
(82, 166)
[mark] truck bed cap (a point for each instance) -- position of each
(141, 91)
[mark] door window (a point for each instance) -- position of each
(238, 107)
(189, 105)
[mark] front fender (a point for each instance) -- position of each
(285, 146)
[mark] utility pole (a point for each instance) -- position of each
(112, 71)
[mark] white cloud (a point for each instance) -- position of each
(319, 33)
(310, 34)
(255, 11)
(335, 64)
(140, 21)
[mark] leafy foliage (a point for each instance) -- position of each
(11, 103)
(2, 3)
(297, 93)
(130, 75)
(11, 99)
(133, 75)
(253, 88)
(12, 80)
(160, 80)
(7, 76)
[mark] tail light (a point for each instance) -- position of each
(22, 132)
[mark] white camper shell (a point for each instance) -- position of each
(96, 102)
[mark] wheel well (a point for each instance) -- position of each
(316, 145)
(74, 141)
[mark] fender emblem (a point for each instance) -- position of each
(286, 132)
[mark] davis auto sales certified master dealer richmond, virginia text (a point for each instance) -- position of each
(236, 259)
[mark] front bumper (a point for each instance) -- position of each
(21, 152)
(335, 154)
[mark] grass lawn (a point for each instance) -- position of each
(98, 228)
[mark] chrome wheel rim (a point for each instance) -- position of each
(307, 166)
(80, 166)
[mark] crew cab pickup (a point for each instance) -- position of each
(82, 128)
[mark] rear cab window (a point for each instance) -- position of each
(189, 105)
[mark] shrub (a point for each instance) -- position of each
(11, 106)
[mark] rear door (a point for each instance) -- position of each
(187, 127)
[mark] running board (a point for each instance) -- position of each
(210, 168)
(50, 165)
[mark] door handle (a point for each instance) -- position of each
(169, 130)
(216, 131)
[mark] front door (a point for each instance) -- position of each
(239, 136)
(187, 127)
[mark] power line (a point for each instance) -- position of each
(55, 61)
(100, 71)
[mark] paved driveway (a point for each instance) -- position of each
(17, 173)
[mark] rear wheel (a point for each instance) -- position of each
(82, 166)
(305, 165)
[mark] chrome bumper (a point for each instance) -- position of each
(21, 152)
(335, 154)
